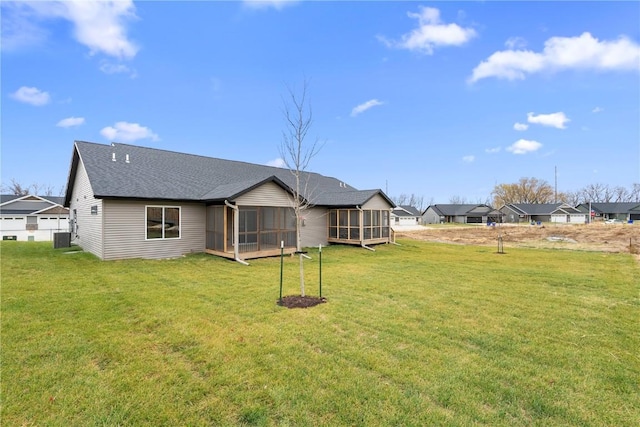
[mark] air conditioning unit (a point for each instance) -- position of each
(61, 240)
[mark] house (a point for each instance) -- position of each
(405, 215)
(129, 201)
(460, 213)
(542, 212)
(32, 218)
(603, 211)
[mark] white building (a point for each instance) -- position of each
(32, 218)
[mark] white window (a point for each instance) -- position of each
(163, 222)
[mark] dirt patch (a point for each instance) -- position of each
(590, 237)
(298, 301)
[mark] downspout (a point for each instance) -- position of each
(362, 230)
(236, 233)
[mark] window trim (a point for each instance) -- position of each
(163, 207)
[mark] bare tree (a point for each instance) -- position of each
(634, 194)
(297, 153)
(411, 200)
(16, 188)
(400, 200)
(457, 200)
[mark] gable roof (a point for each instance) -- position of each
(460, 209)
(534, 208)
(541, 208)
(11, 204)
(405, 210)
(610, 208)
(134, 172)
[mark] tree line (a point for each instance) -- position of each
(536, 191)
(533, 190)
(18, 189)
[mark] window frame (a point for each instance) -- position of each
(163, 228)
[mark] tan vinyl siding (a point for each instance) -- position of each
(315, 231)
(89, 227)
(268, 194)
(377, 202)
(125, 231)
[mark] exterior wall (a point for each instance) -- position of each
(16, 225)
(377, 203)
(315, 231)
(87, 228)
(404, 220)
(268, 194)
(509, 216)
(430, 217)
(125, 230)
(559, 218)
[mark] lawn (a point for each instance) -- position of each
(412, 335)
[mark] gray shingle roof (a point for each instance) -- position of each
(536, 208)
(457, 209)
(16, 205)
(149, 173)
(609, 208)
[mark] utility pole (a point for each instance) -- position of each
(555, 194)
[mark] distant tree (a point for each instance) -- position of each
(16, 188)
(297, 153)
(458, 200)
(634, 194)
(411, 200)
(603, 193)
(527, 190)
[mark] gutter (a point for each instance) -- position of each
(362, 231)
(236, 233)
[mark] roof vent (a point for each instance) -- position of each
(126, 158)
(113, 157)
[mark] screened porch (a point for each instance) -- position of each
(359, 226)
(249, 231)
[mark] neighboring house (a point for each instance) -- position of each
(460, 213)
(542, 212)
(405, 215)
(32, 218)
(128, 201)
(604, 211)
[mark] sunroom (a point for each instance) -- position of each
(245, 232)
(359, 226)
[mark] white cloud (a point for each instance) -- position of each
(431, 33)
(469, 159)
(31, 95)
(556, 120)
(128, 132)
(99, 25)
(520, 126)
(266, 4)
(524, 146)
(365, 106)
(70, 122)
(278, 163)
(493, 150)
(516, 43)
(110, 68)
(597, 110)
(561, 53)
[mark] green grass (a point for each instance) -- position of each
(412, 335)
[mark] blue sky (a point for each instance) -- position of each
(436, 99)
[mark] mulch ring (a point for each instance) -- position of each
(298, 301)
